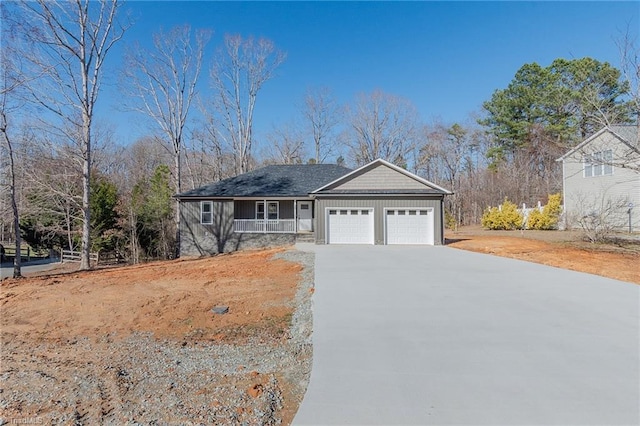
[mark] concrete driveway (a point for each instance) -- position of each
(435, 335)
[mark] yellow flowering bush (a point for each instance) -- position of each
(505, 217)
(548, 217)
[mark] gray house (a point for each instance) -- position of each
(379, 203)
(601, 179)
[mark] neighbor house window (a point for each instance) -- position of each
(206, 212)
(598, 164)
(272, 210)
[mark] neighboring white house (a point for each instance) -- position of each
(601, 179)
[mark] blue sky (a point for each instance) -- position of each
(446, 57)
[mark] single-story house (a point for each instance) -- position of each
(379, 203)
(601, 179)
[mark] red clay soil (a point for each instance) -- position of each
(170, 299)
(75, 348)
(554, 248)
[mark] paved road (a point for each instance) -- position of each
(6, 269)
(435, 335)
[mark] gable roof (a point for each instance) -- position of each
(625, 133)
(424, 186)
(295, 180)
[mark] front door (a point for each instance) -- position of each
(305, 216)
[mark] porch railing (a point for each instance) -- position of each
(271, 226)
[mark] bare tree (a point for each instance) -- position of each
(450, 150)
(7, 138)
(207, 157)
(599, 215)
(322, 113)
(139, 160)
(164, 81)
(238, 74)
(71, 42)
(381, 126)
(53, 188)
(11, 82)
(286, 145)
(630, 67)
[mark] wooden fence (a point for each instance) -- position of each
(75, 256)
(96, 258)
(26, 253)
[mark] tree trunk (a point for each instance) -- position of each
(86, 191)
(17, 259)
(135, 257)
(178, 177)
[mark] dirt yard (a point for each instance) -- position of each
(141, 344)
(563, 249)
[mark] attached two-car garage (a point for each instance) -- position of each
(401, 226)
(380, 203)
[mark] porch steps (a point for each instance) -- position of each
(306, 237)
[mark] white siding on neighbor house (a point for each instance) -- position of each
(587, 194)
(380, 178)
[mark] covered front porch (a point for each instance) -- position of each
(273, 216)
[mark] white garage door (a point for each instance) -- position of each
(409, 226)
(350, 226)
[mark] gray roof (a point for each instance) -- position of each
(381, 191)
(296, 180)
(628, 132)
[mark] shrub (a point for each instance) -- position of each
(548, 217)
(449, 220)
(505, 217)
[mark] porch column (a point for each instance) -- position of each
(295, 216)
(265, 217)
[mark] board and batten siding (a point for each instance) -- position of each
(379, 204)
(380, 178)
(584, 195)
(197, 239)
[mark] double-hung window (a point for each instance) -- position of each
(271, 212)
(206, 212)
(598, 164)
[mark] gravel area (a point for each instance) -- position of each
(139, 380)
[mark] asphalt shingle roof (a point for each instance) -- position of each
(628, 132)
(382, 191)
(295, 180)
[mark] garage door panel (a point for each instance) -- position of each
(409, 226)
(350, 226)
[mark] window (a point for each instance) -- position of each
(206, 212)
(598, 164)
(607, 158)
(272, 210)
(588, 168)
